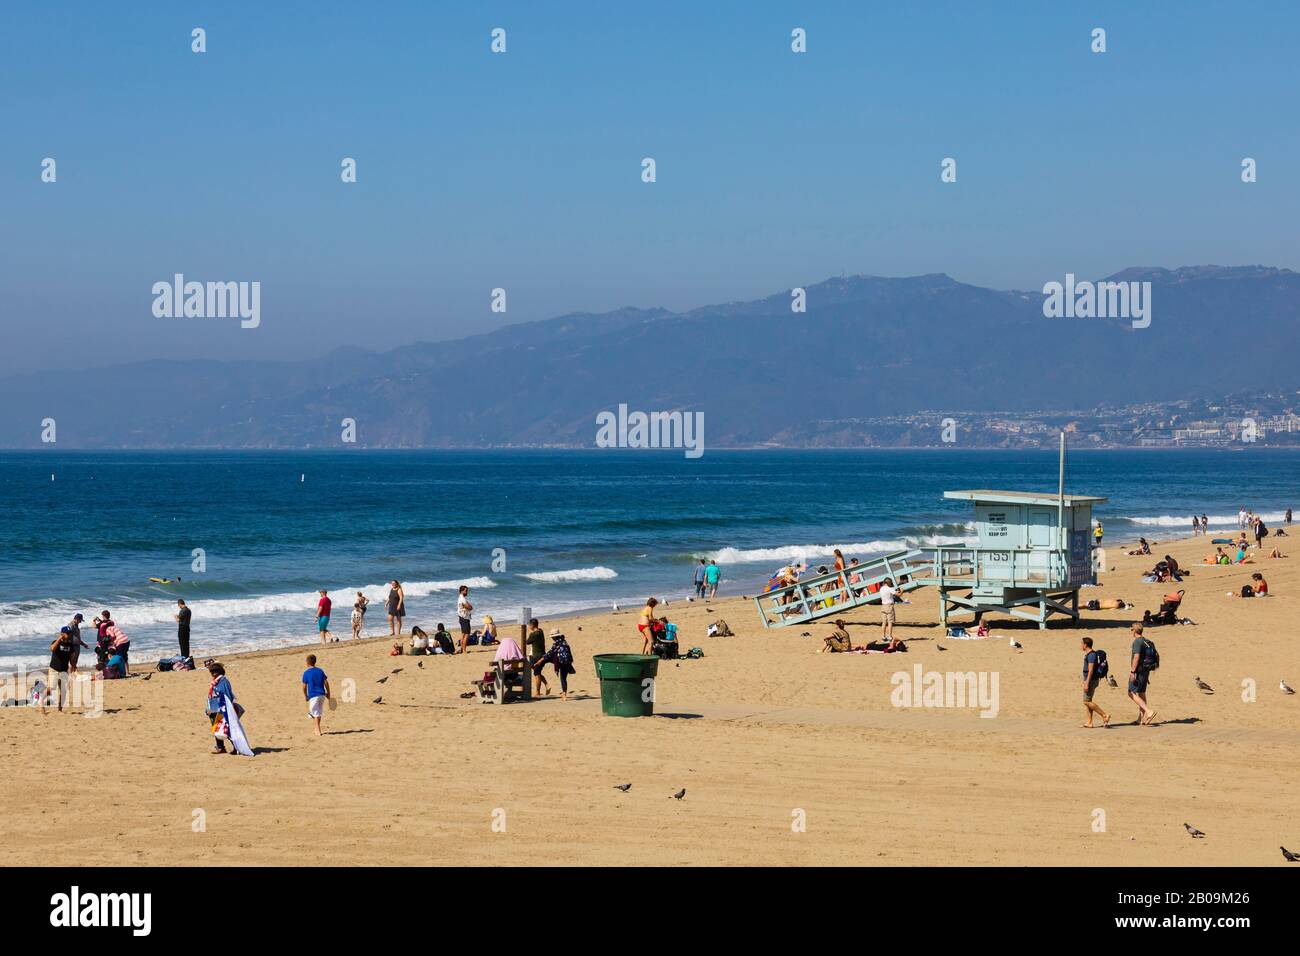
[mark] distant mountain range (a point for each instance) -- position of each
(760, 373)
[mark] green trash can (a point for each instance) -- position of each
(623, 687)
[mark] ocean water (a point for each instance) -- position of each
(579, 529)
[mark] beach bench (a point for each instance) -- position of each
(510, 681)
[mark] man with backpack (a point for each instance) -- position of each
(1145, 659)
(1095, 667)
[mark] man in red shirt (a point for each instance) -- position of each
(323, 616)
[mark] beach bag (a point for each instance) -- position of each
(1103, 665)
(1150, 656)
(956, 632)
(719, 628)
(1247, 591)
(165, 664)
(1094, 605)
(695, 653)
(183, 664)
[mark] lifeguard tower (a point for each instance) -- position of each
(1032, 550)
(1032, 554)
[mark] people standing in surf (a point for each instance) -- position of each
(463, 611)
(182, 617)
(712, 575)
(1196, 525)
(74, 626)
(396, 608)
(323, 608)
(699, 578)
(359, 615)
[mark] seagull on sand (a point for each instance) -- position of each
(679, 794)
(1015, 643)
(381, 680)
(1283, 686)
(378, 700)
(1110, 679)
(625, 787)
(1202, 686)
(1195, 833)
(1289, 856)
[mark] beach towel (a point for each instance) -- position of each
(234, 730)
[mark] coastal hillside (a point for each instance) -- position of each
(867, 347)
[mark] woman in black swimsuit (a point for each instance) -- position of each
(396, 607)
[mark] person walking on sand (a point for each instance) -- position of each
(1140, 667)
(1196, 525)
(315, 690)
(323, 607)
(396, 608)
(536, 641)
(463, 612)
(646, 624)
(1093, 664)
(182, 618)
(561, 655)
(699, 578)
(224, 713)
(712, 574)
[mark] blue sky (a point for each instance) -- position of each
(522, 170)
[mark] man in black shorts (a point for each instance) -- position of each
(1140, 675)
(463, 610)
(60, 661)
(183, 627)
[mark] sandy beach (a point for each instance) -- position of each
(763, 733)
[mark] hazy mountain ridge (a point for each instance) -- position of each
(867, 346)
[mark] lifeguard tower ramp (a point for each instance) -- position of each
(1031, 556)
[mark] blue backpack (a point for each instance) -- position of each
(1103, 666)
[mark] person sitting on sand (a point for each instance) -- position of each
(419, 641)
(1241, 557)
(1142, 548)
(646, 624)
(489, 635)
(1258, 587)
(838, 641)
(1276, 553)
(442, 639)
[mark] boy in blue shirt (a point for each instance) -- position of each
(315, 690)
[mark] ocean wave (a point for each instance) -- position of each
(802, 552)
(597, 573)
(1185, 521)
(46, 617)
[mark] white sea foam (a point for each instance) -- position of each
(1185, 521)
(46, 617)
(597, 573)
(802, 552)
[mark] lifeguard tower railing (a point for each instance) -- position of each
(839, 591)
(989, 571)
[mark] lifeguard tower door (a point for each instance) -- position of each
(1042, 524)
